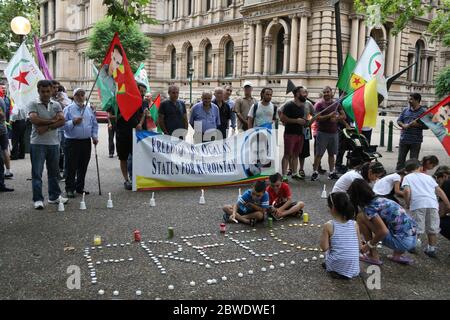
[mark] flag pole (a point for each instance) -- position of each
(90, 92)
(98, 172)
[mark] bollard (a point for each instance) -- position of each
(382, 133)
(390, 134)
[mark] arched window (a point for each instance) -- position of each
(173, 64)
(418, 67)
(208, 61)
(229, 59)
(280, 52)
(189, 60)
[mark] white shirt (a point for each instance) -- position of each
(344, 182)
(385, 185)
(264, 114)
(423, 190)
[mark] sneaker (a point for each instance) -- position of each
(333, 176)
(296, 177)
(289, 173)
(58, 200)
(6, 189)
(70, 194)
(111, 156)
(38, 205)
(9, 175)
(301, 173)
(431, 253)
(315, 176)
(285, 179)
(127, 185)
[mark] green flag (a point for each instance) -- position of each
(346, 74)
(106, 93)
(141, 76)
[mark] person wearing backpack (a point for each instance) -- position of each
(262, 113)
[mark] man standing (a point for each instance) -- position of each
(411, 136)
(81, 126)
(263, 112)
(3, 141)
(327, 133)
(205, 118)
(172, 115)
(243, 105)
(144, 107)
(124, 144)
(19, 125)
(293, 116)
(46, 116)
(224, 111)
(227, 97)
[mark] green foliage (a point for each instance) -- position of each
(128, 11)
(10, 9)
(404, 11)
(443, 83)
(135, 43)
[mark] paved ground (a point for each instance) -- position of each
(34, 261)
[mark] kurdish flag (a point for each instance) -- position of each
(117, 77)
(437, 120)
(141, 76)
(362, 105)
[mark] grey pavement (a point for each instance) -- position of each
(37, 247)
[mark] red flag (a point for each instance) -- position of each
(116, 65)
(437, 120)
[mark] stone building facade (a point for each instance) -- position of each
(218, 42)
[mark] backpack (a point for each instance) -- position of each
(255, 108)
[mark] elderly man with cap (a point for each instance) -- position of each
(80, 128)
(243, 104)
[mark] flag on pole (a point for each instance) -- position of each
(370, 65)
(437, 119)
(141, 76)
(346, 74)
(362, 105)
(23, 75)
(154, 109)
(41, 59)
(107, 97)
(118, 79)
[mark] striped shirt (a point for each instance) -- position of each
(343, 254)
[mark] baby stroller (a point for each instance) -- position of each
(358, 149)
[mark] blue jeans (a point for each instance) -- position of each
(49, 154)
(400, 244)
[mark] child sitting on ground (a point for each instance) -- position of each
(341, 239)
(250, 206)
(420, 197)
(429, 163)
(280, 199)
(390, 186)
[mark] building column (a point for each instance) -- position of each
(267, 55)
(294, 45)
(397, 52)
(235, 61)
(302, 45)
(251, 49)
(423, 78)
(167, 10)
(42, 19)
(431, 71)
(50, 63)
(286, 53)
(362, 38)
(198, 6)
(258, 47)
(390, 55)
(354, 36)
(51, 17)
